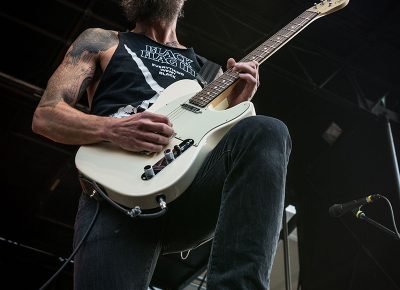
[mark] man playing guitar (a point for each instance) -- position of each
(236, 197)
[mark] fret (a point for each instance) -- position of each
(281, 34)
(277, 40)
(290, 30)
(294, 25)
(268, 42)
(259, 54)
(309, 14)
(305, 18)
(263, 51)
(251, 58)
(266, 46)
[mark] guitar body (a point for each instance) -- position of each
(120, 172)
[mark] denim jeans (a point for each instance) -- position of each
(236, 198)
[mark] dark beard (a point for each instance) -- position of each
(152, 10)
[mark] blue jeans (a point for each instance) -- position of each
(236, 198)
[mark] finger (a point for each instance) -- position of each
(149, 147)
(156, 118)
(148, 126)
(249, 78)
(256, 64)
(152, 137)
(160, 128)
(247, 67)
(156, 139)
(156, 123)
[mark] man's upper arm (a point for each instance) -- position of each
(72, 77)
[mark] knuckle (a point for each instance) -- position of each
(156, 148)
(162, 140)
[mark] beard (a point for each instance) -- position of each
(152, 10)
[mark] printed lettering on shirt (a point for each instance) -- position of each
(166, 56)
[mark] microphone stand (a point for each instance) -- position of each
(361, 215)
(393, 153)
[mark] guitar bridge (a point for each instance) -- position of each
(169, 156)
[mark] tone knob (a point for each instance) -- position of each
(149, 171)
(169, 155)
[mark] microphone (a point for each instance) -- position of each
(337, 210)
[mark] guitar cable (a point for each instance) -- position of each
(93, 190)
(135, 212)
(52, 278)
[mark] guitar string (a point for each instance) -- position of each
(259, 54)
(175, 114)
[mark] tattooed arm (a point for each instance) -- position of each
(57, 119)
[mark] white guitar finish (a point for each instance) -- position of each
(119, 171)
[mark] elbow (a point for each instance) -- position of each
(38, 122)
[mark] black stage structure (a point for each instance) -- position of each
(336, 85)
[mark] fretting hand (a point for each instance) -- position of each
(248, 83)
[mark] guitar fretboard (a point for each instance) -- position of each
(260, 54)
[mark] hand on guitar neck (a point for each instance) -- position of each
(247, 84)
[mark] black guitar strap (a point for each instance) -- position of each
(208, 71)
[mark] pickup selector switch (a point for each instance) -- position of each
(177, 150)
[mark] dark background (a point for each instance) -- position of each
(342, 69)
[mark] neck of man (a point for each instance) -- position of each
(159, 31)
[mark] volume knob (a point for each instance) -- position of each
(149, 171)
(169, 155)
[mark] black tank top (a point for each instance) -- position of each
(139, 70)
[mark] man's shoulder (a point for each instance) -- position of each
(96, 39)
(98, 33)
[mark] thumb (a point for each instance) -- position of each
(230, 63)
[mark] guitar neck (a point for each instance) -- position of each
(260, 54)
(279, 39)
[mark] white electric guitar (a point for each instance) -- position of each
(200, 120)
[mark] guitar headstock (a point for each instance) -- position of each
(325, 7)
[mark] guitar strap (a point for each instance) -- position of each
(208, 71)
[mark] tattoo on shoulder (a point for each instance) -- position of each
(92, 41)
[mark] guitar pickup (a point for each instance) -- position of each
(191, 108)
(169, 156)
